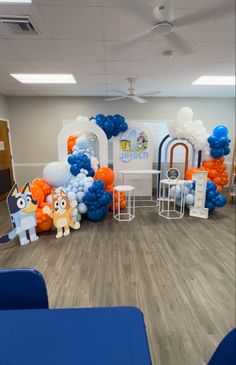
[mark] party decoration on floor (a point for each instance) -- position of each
(112, 125)
(186, 127)
(97, 201)
(56, 174)
(198, 209)
(22, 208)
(61, 213)
(219, 142)
(108, 177)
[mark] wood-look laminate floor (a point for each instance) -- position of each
(181, 274)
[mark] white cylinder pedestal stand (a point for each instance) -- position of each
(129, 213)
(168, 207)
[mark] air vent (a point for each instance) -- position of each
(18, 24)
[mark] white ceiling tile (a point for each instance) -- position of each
(132, 52)
(199, 4)
(156, 50)
(58, 49)
(221, 30)
(222, 69)
(211, 51)
(15, 66)
(95, 93)
(122, 67)
(91, 79)
(69, 2)
(94, 86)
(7, 51)
(92, 67)
(229, 57)
(158, 68)
(73, 22)
(120, 23)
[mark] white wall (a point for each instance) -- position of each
(36, 121)
(4, 112)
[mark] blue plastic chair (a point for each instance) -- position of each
(22, 289)
(225, 353)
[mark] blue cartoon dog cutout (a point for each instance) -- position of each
(22, 208)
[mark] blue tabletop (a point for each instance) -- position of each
(91, 336)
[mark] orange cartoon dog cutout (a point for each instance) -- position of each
(61, 212)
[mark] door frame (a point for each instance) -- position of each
(9, 135)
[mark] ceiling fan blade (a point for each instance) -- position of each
(137, 99)
(180, 43)
(116, 98)
(132, 38)
(227, 7)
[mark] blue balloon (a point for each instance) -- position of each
(217, 152)
(211, 186)
(213, 141)
(209, 205)
(220, 131)
(96, 215)
(100, 118)
(72, 159)
(74, 170)
(220, 201)
(223, 141)
(210, 195)
(226, 151)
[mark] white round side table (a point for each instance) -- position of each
(170, 206)
(128, 213)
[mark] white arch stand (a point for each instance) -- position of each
(82, 125)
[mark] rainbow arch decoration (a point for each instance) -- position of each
(168, 146)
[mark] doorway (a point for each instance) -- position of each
(6, 171)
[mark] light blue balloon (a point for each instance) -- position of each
(76, 184)
(186, 190)
(80, 196)
(82, 208)
(56, 174)
(87, 186)
(178, 202)
(82, 142)
(172, 192)
(189, 199)
(177, 192)
(71, 196)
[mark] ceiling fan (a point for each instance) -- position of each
(130, 94)
(164, 23)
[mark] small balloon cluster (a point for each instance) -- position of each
(192, 130)
(97, 200)
(219, 142)
(70, 143)
(79, 162)
(186, 189)
(112, 125)
(213, 197)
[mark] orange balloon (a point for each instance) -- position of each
(219, 188)
(106, 175)
(43, 185)
(212, 173)
(37, 194)
(217, 180)
(189, 173)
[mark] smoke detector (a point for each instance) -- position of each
(168, 53)
(18, 24)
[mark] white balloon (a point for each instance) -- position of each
(185, 115)
(56, 174)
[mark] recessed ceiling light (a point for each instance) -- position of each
(45, 78)
(16, 1)
(215, 80)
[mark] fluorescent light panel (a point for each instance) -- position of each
(16, 1)
(45, 78)
(215, 80)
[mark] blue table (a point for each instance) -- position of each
(91, 336)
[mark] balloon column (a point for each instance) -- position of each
(216, 166)
(97, 201)
(213, 197)
(107, 176)
(112, 125)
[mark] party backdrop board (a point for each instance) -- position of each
(133, 150)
